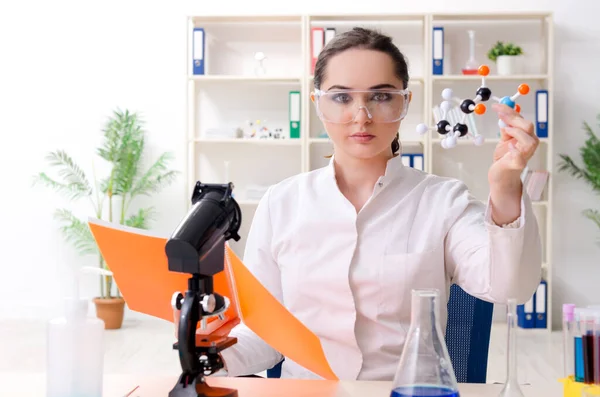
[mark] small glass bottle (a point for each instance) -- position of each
(425, 368)
(511, 387)
(75, 353)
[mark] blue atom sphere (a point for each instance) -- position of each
(508, 102)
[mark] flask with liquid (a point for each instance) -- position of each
(471, 66)
(425, 368)
(75, 351)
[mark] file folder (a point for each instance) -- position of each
(417, 162)
(329, 34)
(198, 51)
(541, 113)
(526, 314)
(294, 114)
(438, 50)
(316, 45)
(406, 160)
(414, 160)
(541, 300)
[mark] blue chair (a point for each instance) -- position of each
(467, 337)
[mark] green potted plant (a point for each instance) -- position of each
(590, 171)
(111, 197)
(507, 57)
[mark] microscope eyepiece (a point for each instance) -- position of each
(198, 243)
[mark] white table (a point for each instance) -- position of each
(21, 385)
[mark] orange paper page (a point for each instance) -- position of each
(258, 308)
(140, 269)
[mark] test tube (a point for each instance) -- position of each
(597, 348)
(578, 346)
(568, 345)
(586, 322)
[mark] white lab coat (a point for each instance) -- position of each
(348, 277)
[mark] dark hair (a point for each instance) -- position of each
(364, 39)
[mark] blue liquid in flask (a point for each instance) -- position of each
(424, 391)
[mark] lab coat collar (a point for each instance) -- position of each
(394, 167)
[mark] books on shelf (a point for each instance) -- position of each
(534, 183)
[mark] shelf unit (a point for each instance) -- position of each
(230, 94)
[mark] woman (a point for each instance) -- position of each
(343, 246)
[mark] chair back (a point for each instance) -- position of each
(467, 337)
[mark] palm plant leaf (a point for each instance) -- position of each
(155, 177)
(112, 135)
(76, 232)
(590, 155)
(74, 182)
(141, 219)
(130, 154)
(593, 215)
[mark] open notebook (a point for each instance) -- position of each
(140, 268)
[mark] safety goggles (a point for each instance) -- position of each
(380, 106)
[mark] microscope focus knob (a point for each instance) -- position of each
(177, 300)
(209, 303)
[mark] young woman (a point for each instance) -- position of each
(343, 246)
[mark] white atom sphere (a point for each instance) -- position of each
(422, 129)
(479, 140)
(501, 124)
(451, 142)
(443, 143)
(446, 106)
(447, 94)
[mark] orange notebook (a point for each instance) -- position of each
(140, 268)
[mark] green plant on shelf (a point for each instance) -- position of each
(590, 171)
(501, 48)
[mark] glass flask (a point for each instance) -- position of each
(511, 387)
(471, 66)
(425, 369)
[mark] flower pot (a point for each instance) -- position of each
(111, 311)
(508, 65)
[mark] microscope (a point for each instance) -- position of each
(197, 248)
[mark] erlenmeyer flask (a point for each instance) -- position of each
(425, 369)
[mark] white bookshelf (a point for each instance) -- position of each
(230, 93)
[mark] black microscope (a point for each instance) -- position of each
(197, 247)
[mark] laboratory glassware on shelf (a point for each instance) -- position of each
(471, 65)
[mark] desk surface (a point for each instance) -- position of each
(21, 385)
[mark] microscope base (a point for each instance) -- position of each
(199, 388)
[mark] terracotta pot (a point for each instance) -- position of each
(111, 311)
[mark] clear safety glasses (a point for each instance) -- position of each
(380, 106)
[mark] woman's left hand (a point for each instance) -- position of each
(517, 145)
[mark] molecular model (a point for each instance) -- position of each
(468, 106)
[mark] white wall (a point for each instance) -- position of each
(64, 65)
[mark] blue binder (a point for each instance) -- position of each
(414, 160)
(541, 305)
(541, 113)
(526, 314)
(198, 53)
(438, 50)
